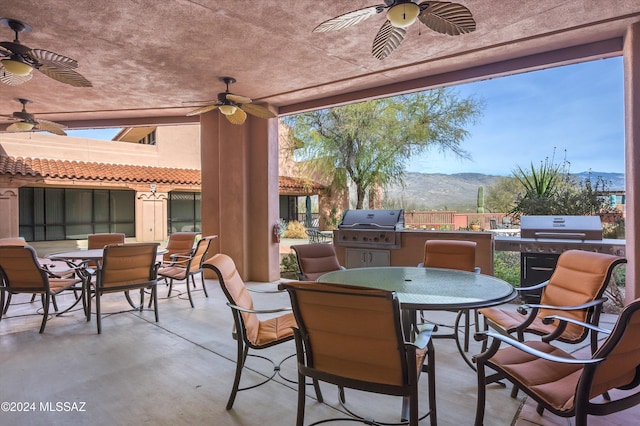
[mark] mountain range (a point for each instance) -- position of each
(437, 191)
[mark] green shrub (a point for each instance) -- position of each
(289, 263)
(295, 230)
(506, 266)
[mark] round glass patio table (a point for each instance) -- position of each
(429, 289)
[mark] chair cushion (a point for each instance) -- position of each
(274, 329)
(56, 285)
(552, 382)
(174, 272)
(509, 320)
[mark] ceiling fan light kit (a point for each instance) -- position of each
(403, 14)
(16, 67)
(228, 109)
(23, 126)
(440, 16)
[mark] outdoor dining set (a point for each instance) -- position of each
(373, 329)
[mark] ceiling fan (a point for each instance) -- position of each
(443, 17)
(234, 107)
(17, 61)
(25, 121)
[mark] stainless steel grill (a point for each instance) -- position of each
(370, 228)
(543, 238)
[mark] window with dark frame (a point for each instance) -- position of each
(184, 212)
(51, 214)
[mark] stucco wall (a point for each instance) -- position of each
(177, 146)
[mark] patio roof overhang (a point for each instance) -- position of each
(150, 65)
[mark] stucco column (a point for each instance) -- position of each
(631, 53)
(151, 216)
(240, 192)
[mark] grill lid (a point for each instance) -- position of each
(566, 227)
(372, 219)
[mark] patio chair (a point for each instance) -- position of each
(249, 331)
(315, 260)
(20, 272)
(574, 290)
(126, 267)
(352, 337)
(560, 382)
(185, 266)
(459, 255)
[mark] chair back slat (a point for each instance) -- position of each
(128, 264)
(315, 260)
(20, 268)
(179, 243)
(579, 277)
(351, 332)
(236, 292)
(98, 241)
(450, 254)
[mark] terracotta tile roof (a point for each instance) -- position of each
(63, 169)
(295, 184)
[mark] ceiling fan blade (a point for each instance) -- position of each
(257, 110)
(8, 116)
(448, 18)
(11, 79)
(18, 48)
(50, 126)
(52, 59)
(13, 128)
(237, 117)
(387, 40)
(348, 19)
(202, 110)
(65, 75)
(238, 99)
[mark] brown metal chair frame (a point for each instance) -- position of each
(114, 275)
(240, 330)
(187, 266)
(612, 366)
(40, 281)
(409, 363)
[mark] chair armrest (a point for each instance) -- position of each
(551, 318)
(278, 290)
(523, 308)
(257, 311)
(483, 335)
(533, 287)
(423, 336)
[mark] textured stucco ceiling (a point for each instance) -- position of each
(149, 60)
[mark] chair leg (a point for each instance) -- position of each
(204, 287)
(189, 289)
(45, 314)
(431, 371)
(302, 398)
(242, 357)
(98, 315)
(154, 296)
(5, 307)
(481, 394)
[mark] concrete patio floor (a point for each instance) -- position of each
(180, 371)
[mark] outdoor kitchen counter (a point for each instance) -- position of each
(410, 250)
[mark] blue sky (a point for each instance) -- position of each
(577, 108)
